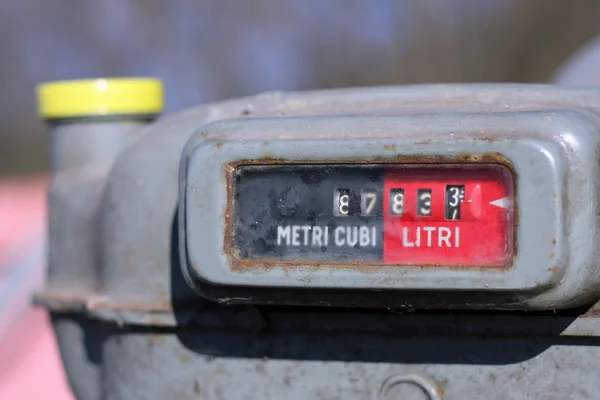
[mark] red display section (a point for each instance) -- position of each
(448, 215)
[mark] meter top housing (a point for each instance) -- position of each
(534, 147)
(549, 154)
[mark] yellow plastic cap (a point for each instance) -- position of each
(98, 97)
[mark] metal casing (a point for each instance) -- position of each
(553, 157)
(129, 326)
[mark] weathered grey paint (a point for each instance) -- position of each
(134, 329)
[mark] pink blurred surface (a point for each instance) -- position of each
(30, 366)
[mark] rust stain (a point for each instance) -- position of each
(489, 139)
(241, 265)
(549, 117)
(164, 306)
(67, 302)
(593, 312)
(268, 160)
(554, 241)
(389, 147)
(60, 301)
(424, 142)
(425, 159)
(197, 387)
(287, 381)
(553, 269)
(463, 158)
(440, 391)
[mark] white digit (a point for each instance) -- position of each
(454, 214)
(344, 204)
(398, 203)
(454, 197)
(426, 199)
(368, 200)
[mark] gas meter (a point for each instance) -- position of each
(192, 250)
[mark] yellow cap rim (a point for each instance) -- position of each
(100, 97)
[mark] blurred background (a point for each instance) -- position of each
(206, 50)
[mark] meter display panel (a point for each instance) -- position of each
(429, 215)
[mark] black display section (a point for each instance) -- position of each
(315, 213)
(455, 194)
(424, 202)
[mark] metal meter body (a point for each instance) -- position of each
(488, 205)
(447, 233)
